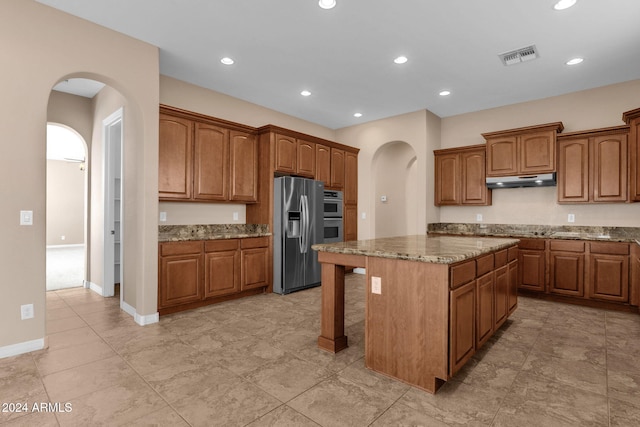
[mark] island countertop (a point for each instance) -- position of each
(421, 248)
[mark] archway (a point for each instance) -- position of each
(394, 168)
(65, 207)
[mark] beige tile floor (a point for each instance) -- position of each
(254, 362)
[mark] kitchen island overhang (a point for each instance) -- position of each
(431, 302)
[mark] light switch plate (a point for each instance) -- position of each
(376, 285)
(26, 311)
(26, 217)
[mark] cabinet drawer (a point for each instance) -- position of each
(512, 253)
(501, 258)
(254, 242)
(566, 245)
(484, 264)
(532, 244)
(180, 248)
(613, 248)
(221, 245)
(463, 273)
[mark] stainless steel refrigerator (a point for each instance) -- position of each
(298, 224)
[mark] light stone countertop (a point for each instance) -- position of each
(422, 248)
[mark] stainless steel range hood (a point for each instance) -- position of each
(541, 180)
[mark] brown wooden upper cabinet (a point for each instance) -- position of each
(295, 156)
(337, 168)
(632, 118)
(460, 176)
(323, 164)
(205, 160)
(176, 158)
(522, 151)
(592, 166)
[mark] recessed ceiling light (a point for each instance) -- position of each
(227, 61)
(400, 60)
(445, 93)
(327, 4)
(357, 115)
(574, 61)
(305, 93)
(564, 4)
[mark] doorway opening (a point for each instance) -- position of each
(66, 208)
(113, 137)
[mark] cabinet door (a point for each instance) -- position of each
(221, 273)
(323, 164)
(211, 156)
(255, 268)
(634, 281)
(243, 149)
(566, 273)
(350, 222)
(474, 188)
(337, 168)
(531, 271)
(286, 154)
(573, 171)
(447, 179)
(484, 309)
(634, 159)
(537, 153)
(609, 277)
(610, 168)
(180, 280)
(513, 286)
(175, 168)
(350, 178)
(502, 156)
(462, 325)
(306, 162)
(501, 302)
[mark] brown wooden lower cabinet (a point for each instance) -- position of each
(485, 291)
(197, 273)
(566, 267)
(483, 294)
(595, 273)
(463, 320)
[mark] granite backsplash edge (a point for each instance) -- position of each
(615, 234)
(178, 233)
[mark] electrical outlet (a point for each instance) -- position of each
(235, 216)
(364, 215)
(479, 217)
(163, 216)
(571, 218)
(376, 285)
(26, 311)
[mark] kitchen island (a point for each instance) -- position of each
(432, 301)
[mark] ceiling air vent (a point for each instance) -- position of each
(519, 55)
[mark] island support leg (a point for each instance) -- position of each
(332, 337)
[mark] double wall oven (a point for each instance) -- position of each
(333, 225)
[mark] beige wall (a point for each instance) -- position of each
(421, 131)
(46, 46)
(65, 203)
(590, 109)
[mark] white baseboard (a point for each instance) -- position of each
(360, 270)
(139, 319)
(20, 348)
(73, 245)
(95, 288)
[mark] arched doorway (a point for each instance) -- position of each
(65, 208)
(394, 168)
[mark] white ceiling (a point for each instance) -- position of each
(344, 56)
